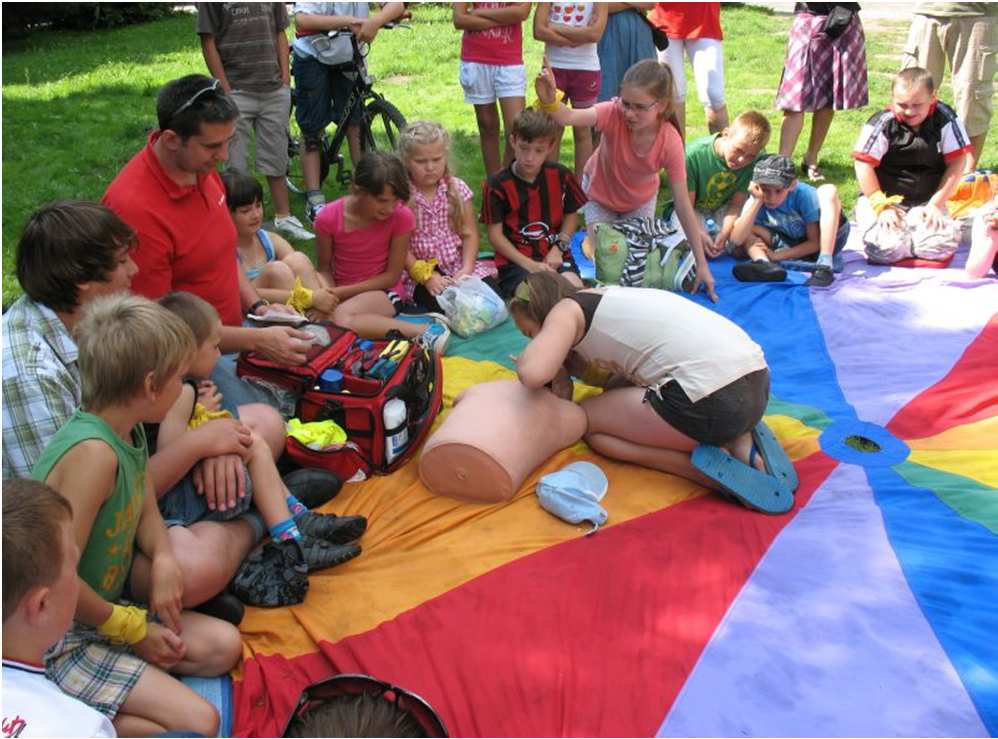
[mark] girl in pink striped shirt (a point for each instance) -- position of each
(445, 220)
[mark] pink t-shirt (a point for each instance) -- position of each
(502, 45)
(619, 179)
(361, 254)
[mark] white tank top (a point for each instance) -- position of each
(653, 336)
(586, 56)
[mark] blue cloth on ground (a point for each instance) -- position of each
(573, 493)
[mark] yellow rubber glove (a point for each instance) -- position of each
(125, 625)
(202, 415)
(300, 298)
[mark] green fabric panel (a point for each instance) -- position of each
(969, 498)
(495, 345)
(807, 415)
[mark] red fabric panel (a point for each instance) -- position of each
(590, 638)
(968, 393)
(928, 263)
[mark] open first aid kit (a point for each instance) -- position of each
(384, 394)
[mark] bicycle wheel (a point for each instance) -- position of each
(384, 122)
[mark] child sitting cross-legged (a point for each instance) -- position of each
(718, 172)
(531, 208)
(909, 160)
(444, 244)
(276, 269)
(300, 539)
(786, 223)
(362, 241)
(118, 656)
(39, 597)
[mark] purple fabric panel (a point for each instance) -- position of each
(894, 332)
(826, 639)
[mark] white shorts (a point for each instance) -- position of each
(484, 83)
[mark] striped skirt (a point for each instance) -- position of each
(820, 72)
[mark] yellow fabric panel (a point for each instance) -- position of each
(979, 436)
(977, 465)
(419, 546)
(799, 440)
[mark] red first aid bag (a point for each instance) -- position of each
(373, 373)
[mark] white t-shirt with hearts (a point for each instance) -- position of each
(575, 15)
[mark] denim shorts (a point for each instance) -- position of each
(182, 505)
(485, 83)
(722, 416)
(806, 264)
(321, 94)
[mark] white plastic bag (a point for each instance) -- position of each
(472, 307)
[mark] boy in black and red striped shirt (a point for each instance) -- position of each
(531, 207)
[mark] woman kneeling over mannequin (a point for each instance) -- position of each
(677, 374)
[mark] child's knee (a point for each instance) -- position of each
(299, 263)
(277, 274)
(828, 195)
(201, 717)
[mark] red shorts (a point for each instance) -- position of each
(581, 86)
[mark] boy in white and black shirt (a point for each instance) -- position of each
(911, 155)
(40, 588)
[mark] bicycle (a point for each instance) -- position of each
(380, 121)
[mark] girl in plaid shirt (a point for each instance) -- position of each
(444, 246)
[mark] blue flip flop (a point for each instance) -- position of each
(750, 487)
(775, 458)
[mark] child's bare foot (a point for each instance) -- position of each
(741, 449)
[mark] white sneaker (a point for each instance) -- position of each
(435, 338)
(292, 228)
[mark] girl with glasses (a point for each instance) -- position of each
(640, 137)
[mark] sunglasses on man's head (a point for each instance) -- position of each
(351, 684)
(215, 85)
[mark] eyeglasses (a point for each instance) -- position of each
(640, 107)
(215, 85)
(350, 684)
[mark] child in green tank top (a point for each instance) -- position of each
(117, 656)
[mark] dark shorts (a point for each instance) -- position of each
(511, 275)
(581, 86)
(182, 505)
(722, 416)
(321, 94)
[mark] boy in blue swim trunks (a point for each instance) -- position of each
(786, 224)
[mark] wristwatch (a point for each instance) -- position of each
(564, 242)
(258, 304)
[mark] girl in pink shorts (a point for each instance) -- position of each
(570, 32)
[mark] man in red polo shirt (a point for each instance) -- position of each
(171, 194)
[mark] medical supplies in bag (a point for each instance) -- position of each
(350, 381)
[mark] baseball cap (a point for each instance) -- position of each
(775, 171)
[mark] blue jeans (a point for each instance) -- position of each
(808, 263)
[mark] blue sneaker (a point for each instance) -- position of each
(435, 338)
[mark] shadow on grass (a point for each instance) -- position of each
(53, 56)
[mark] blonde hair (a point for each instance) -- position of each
(121, 339)
(199, 315)
(427, 133)
(654, 79)
(33, 517)
(754, 125)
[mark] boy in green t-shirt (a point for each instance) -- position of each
(718, 172)
(117, 656)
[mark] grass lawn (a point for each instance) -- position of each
(77, 106)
